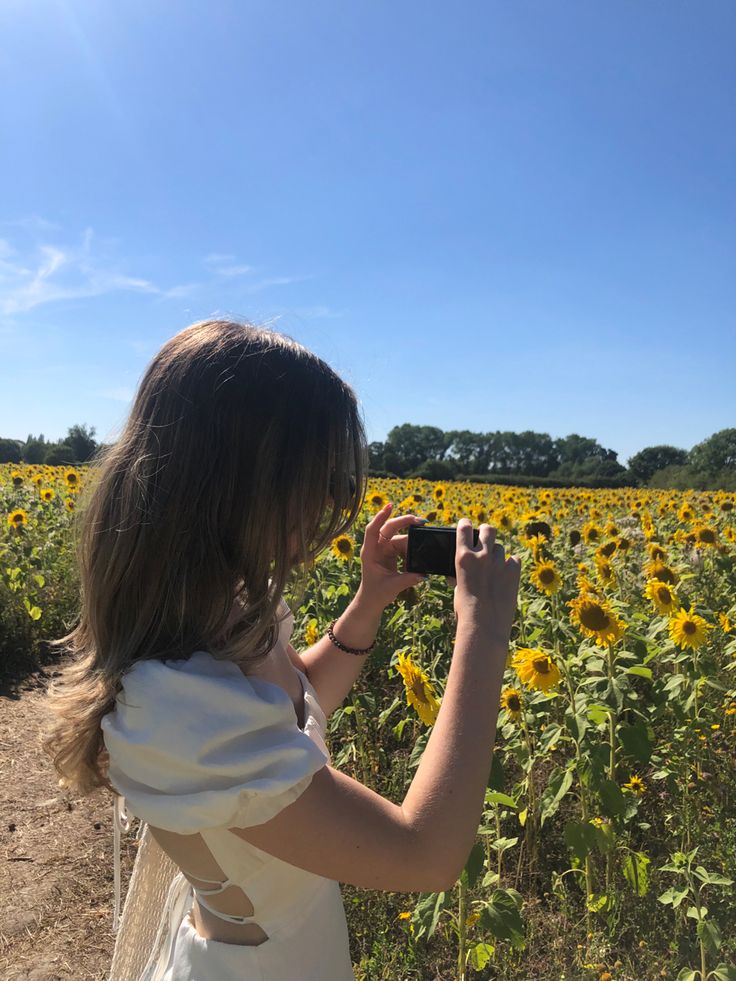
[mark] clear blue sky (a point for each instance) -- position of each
(484, 215)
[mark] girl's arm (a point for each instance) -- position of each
(332, 672)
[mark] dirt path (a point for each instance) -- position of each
(56, 855)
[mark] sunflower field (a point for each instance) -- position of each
(607, 844)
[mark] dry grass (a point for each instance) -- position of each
(56, 874)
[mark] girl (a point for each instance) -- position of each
(243, 457)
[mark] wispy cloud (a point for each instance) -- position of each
(40, 266)
(225, 265)
(44, 273)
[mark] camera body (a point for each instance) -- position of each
(431, 549)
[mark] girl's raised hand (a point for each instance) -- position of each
(381, 581)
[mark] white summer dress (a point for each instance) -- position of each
(195, 746)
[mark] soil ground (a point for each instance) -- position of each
(56, 864)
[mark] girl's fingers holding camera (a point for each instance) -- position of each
(464, 533)
(487, 536)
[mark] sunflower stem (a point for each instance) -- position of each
(532, 809)
(461, 928)
(583, 795)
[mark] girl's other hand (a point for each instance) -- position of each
(381, 581)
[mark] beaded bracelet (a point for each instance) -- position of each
(348, 650)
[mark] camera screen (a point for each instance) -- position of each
(434, 550)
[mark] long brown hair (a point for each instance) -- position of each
(239, 441)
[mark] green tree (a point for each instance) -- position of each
(11, 450)
(34, 449)
(716, 453)
(82, 443)
(646, 462)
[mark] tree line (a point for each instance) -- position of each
(528, 457)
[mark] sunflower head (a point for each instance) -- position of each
(343, 547)
(18, 518)
(596, 619)
(688, 630)
(636, 785)
(511, 701)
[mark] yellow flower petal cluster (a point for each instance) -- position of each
(687, 629)
(312, 634)
(594, 617)
(511, 701)
(663, 597)
(546, 577)
(636, 785)
(419, 691)
(536, 668)
(343, 547)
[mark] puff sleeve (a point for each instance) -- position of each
(195, 744)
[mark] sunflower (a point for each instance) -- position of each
(419, 691)
(591, 532)
(311, 634)
(343, 547)
(705, 536)
(502, 519)
(69, 504)
(636, 785)
(48, 494)
(605, 571)
(596, 619)
(16, 478)
(511, 701)
(536, 668)
(658, 570)
(687, 629)
(17, 518)
(726, 625)
(72, 478)
(663, 598)
(438, 492)
(376, 500)
(606, 550)
(546, 577)
(656, 552)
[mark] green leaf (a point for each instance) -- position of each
(723, 973)
(480, 955)
(580, 838)
(496, 776)
(576, 725)
(428, 911)
(598, 714)
(710, 934)
(522, 816)
(502, 918)
(687, 975)
(613, 802)
(549, 737)
(635, 872)
(597, 901)
(697, 912)
(40, 581)
(559, 784)
(712, 878)
(641, 671)
(637, 741)
(494, 797)
(673, 897)
(474, 864)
